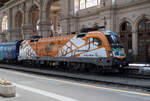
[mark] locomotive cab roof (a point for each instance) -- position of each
(81, 35)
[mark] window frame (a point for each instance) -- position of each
(100, 43)
(4, 23)
(85, 5)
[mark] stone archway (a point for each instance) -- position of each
(126, 36)
(54, 16)
(143, 30)
(34, 17)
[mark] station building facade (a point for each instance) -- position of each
(22, 19)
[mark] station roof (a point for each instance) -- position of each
(2, 2)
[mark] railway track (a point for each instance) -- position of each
(142, 81)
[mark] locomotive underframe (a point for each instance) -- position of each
(100, 64)
(80, 62)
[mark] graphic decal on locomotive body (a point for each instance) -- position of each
(26, 51)
(50, 47)
(78, 47)
(91, 45)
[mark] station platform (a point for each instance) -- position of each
(111, 79)
(139, 64)
(31, 87)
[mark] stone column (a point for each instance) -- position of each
(10, 35)
(135, 43)
(65, 19)
(27, 29)
(44, 25)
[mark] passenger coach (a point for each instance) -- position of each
(9, 51)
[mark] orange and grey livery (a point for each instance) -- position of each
(91, 45)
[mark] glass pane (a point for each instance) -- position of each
(5, 23)
(109, 38)
(126, 27)
(113, 2)
(76, 5)
(90, 3)
(142, 26)
(94, 2)
(113, 39)
(99, 2)
(82, 4)
(97, 42)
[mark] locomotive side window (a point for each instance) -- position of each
(97, 42)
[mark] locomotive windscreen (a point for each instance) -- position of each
(114, 40)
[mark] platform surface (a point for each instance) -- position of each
(32, 87)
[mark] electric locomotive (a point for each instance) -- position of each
(97, 50)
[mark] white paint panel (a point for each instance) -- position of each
(78, 42)
(96, 53)
(25, 50)
(73, 47)
(69, 55)
(65, 47)
(68, 50)
(69, 44)
(92, 46)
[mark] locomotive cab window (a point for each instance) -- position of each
(34, 40)
(113, 39)
(97, 42)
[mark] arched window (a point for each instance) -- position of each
(126, 27)
(34, 17)
(5, 23)
(126, 36)
(113, 2)
(19, 19)
(144, 27)
(55, 15)
(144, 40)
(86, 3)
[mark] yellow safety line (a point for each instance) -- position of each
(79, 84)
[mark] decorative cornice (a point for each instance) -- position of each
(96, 10)
(131, 4)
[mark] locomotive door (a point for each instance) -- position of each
(144, 41)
